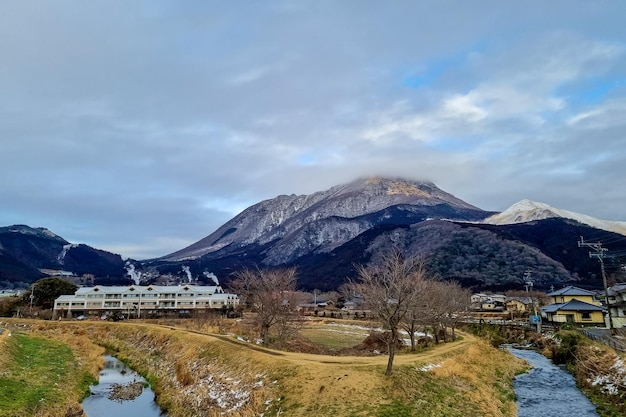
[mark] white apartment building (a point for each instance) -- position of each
(143, 301)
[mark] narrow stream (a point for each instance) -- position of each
(114, 395)
(548, 390)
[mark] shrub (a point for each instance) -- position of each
(565, 351)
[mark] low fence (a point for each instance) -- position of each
(605, 338)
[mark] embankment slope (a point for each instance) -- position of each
(197, 374)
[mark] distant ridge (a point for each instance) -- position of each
(526, 211)
(29, 253)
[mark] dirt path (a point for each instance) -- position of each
(306, 358)
(437, 351)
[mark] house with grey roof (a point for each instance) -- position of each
(574, 305)
(617, 304)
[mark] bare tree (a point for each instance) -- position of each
(271, 294)
(455, 304)
(411, 324)
(422, 312)
(390, 290)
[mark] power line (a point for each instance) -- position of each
(597, 251)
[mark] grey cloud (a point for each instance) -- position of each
(141, 126)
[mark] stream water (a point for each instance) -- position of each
(117, 374)
(548, 390)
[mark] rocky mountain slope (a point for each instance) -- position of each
(25, 252)
(320, 222)
(327, 233)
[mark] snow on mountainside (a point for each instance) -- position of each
(285, 218)
(527, 211)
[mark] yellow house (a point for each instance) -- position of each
(574, 305)
(518, 305)
(570, 293)
(574, 311)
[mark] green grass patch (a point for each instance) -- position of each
(36, 375)
(335, 337)
(396, 409)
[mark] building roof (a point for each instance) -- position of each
(523, 300)
(617, 288)
(572, 305)
(571, 291)
(120, 289)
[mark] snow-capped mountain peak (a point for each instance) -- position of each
(526, 211)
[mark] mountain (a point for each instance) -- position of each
(327, 233)
(297, 225)
(25, 252)
(527, 210)
(478, 256)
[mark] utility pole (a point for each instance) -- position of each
(32, 297)
(527, 280)
(529, 284)
(597, 251)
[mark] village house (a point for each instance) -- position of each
(569, 293)
(617, 304)
(519, 305)
(574, 305)
(487, 302)
(142, 301)
(314, 307)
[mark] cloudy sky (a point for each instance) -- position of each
(140, 127)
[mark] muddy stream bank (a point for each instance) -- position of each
(120, 392)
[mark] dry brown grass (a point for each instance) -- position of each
(483, 375)
(189, 370)
(4, 357)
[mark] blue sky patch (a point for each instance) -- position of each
(593, 91)
(437, 67)
(307, 159)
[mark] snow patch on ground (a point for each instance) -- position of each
(429, 367)
(612, 382)
(226, 392)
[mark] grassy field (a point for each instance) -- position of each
(335, 335)
(194, 373)
(39, 377)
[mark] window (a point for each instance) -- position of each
(586, 315)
